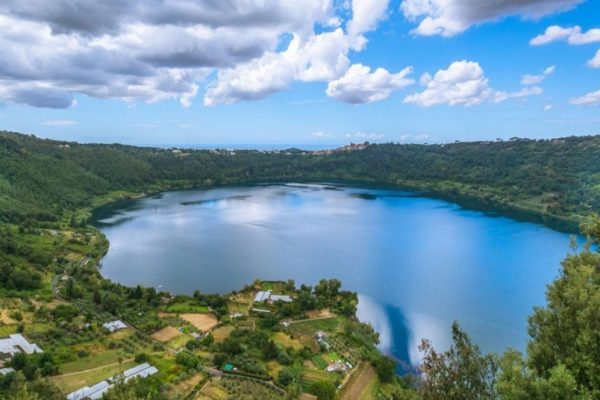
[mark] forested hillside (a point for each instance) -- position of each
(553, 181)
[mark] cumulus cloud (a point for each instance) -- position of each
(317, 57)
(572, 35)
(451, 17)
(360, 85)
(592, 98)
(535, 79)
(143, 50)
(462, 83)
(595, 61)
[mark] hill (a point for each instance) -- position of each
(555, 181)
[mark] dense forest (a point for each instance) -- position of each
(555, 181)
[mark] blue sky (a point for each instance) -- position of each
(190, 73)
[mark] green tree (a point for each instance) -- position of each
(323, 390)
(385, 368)
(460, 373)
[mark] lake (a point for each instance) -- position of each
(417, 263)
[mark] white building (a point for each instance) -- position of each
(16, 344)
(97, 391)
(280, 297)
(262, 296)
(114, 326)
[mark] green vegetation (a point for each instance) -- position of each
(555, 181)
(52, 292)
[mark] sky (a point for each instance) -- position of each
(313, 73)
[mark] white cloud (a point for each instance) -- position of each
(535, 79)
(463, 83)
(136, 50)
(59, 122)
(360, 85)
(316, 57)
(548, 107)
(595, 61)
(451, 17)
(592, 98)
(571, 35)
(365, 136)
(366, 15)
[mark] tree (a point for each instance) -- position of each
(385, 368)
(323, 390)
(565, 335)
(461, 373)
(285, 377)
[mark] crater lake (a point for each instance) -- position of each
(417, 263)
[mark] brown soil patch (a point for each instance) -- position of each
(319, 314)
(203, 322)
(166, 334)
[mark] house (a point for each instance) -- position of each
(114, 326)
(262, 296)
(97, 391)
(337, 366)
(16, 344)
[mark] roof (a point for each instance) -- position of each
(94, 392)
(98, 390)
(115, 325)
(17, 343)
(6, 371)
(141, 371)
(281, 297)
(262, 296)
(228, 367)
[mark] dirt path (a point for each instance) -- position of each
(360, 380)
(83, 371)
(298, 321)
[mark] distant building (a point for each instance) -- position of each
(337, 366)
(280, 297)
(97, 391)
(16, 344)
(262, 296)
(93, 392)
(6, 371)
(114, 326)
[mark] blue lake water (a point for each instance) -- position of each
(417, 263)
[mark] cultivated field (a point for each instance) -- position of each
(166, 334)
(203, 322)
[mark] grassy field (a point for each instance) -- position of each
(313, 375)
(6, 330)
(319, 361)
(187, 307)
(222, 332)
(94, 361)
(286, 341)
(312, 326)
(72, 382)
(178, 342)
